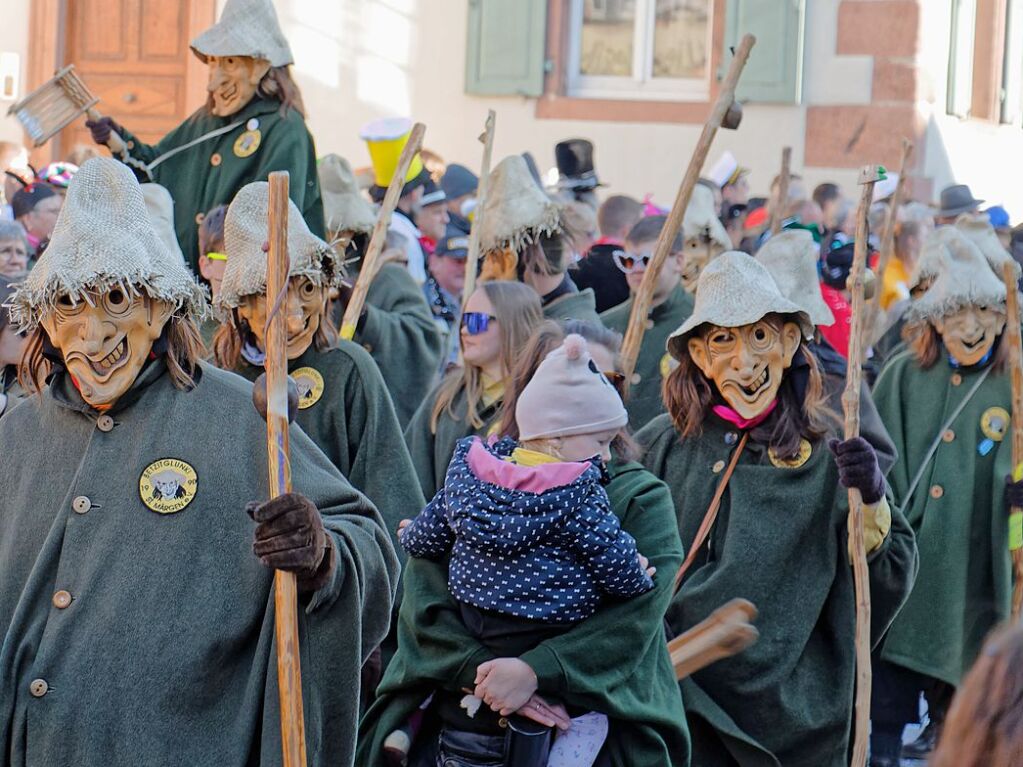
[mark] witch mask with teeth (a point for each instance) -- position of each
(305, 311)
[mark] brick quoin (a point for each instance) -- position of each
(888, 28)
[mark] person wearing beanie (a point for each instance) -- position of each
(36, 207)
(761, 497)
(836, 264)
(459, 185)
(533, 545)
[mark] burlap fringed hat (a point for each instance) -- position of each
(245, 231)
(246, 28)
(701, 220)
(105, 239)
(966, 279)
(160, 205)
(791, 258)
(934, 255)
(978, 229)
(344, 207)
(735, 290)
(517, 211)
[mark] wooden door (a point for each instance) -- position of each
(134, 56)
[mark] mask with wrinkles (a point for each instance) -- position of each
(304, 307)
(233, 81)
(970, 333)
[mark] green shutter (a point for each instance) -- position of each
(505, 50)
(774, 72)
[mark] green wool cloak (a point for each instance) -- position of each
(654, 363)
(211, 172)
(957, 511)
(133, 637)
(780, 541)
(353, 423)
(615, 662)
(431, 453)
(399, 333)
(581, 305)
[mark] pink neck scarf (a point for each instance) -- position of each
(726, 413)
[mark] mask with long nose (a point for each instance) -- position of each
(305, 307)
(106, 340)
(233, 81)
(970, 333)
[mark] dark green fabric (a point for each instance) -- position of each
(354, 424)
(779, 541)
(871, 427)
(399, 333)
(431, 453)
(574, 306)
(166, 655)
(615, 662)
(653, 362)
(965, 582)
(197, 185)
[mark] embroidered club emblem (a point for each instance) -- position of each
(247, 143)
(167, 486)
(796, 461)
(310, 386)
(995, 423)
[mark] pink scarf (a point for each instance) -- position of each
(726, 413)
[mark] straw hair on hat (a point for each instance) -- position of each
(791, 258)
(568, 395)
(246, 28)
(701, 219)
(245, 231)
(735, 290)
(934, 255)
(965, 280)
(104, 239)
(978, 229)
(344, 207)
(517, 211)
(160, 206)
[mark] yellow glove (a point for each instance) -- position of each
(877, 521)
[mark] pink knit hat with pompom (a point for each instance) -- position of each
(568, 395)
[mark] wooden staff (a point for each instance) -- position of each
(645, 295)
(727, 632)
(473, 259)
(289, 668)
(371, 262)
(777, 214)
(1012, 337)
(869, 175)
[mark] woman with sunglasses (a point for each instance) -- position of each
(614, 662)
(495, 325)
(12, 344)
(670, 307)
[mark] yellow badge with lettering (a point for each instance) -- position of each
(795, 461)
(167, 486)
(247, 143)
(995, 423)
(668, 365)
(310, 386)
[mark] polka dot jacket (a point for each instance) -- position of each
(536, 542)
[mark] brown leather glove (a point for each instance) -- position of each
(101, 129)
(290, 537)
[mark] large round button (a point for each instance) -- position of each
(956, 379)
(937, 491)
(38, 688)
(649, 324)
(215, 159)
(731, 438)
(105, 423)
(948, 436)
(81, 504)
(718, 467)
(636, 378)
(61, 599)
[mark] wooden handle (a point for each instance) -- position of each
(289, 669)
(727, 632)
(851, 407)
(115, 143)
(645, 294)
(472, 261)
(1012, 338)
(371, 262)
(778, 213)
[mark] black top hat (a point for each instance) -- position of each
(575, 164)
(957, 199)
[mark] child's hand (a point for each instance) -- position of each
(402, 525)
(505, 684)
(645, 564)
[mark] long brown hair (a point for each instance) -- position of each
(689, 396)
(277, 84)
(925, 343)
(518, 311)
(984, 727)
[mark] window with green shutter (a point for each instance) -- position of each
(775, 70)
(505, 50)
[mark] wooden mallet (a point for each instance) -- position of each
(1012, 338)
(869, 175)
(473, 259)
(727, 632)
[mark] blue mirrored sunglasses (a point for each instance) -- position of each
(475, 323)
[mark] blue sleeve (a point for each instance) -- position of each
(609, 553)
(429, 534)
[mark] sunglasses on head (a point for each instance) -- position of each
(475, 323)
(629, 262)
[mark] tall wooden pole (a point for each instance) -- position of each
(782, 200)
(645, 294)
(472, 261)
(289, 668)
(851, 406)
(1012, 338)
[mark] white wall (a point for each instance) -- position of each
(14, 39)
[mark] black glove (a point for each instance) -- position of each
(1013, 493)
(857, 467)
(290, 537)
(102, 128)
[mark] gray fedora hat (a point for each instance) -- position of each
(957, 199)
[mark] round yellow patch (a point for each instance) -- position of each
(796, 461)
(247, 143)
(995, 423)
(167, 486)
(668, 365)
(310, 386)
